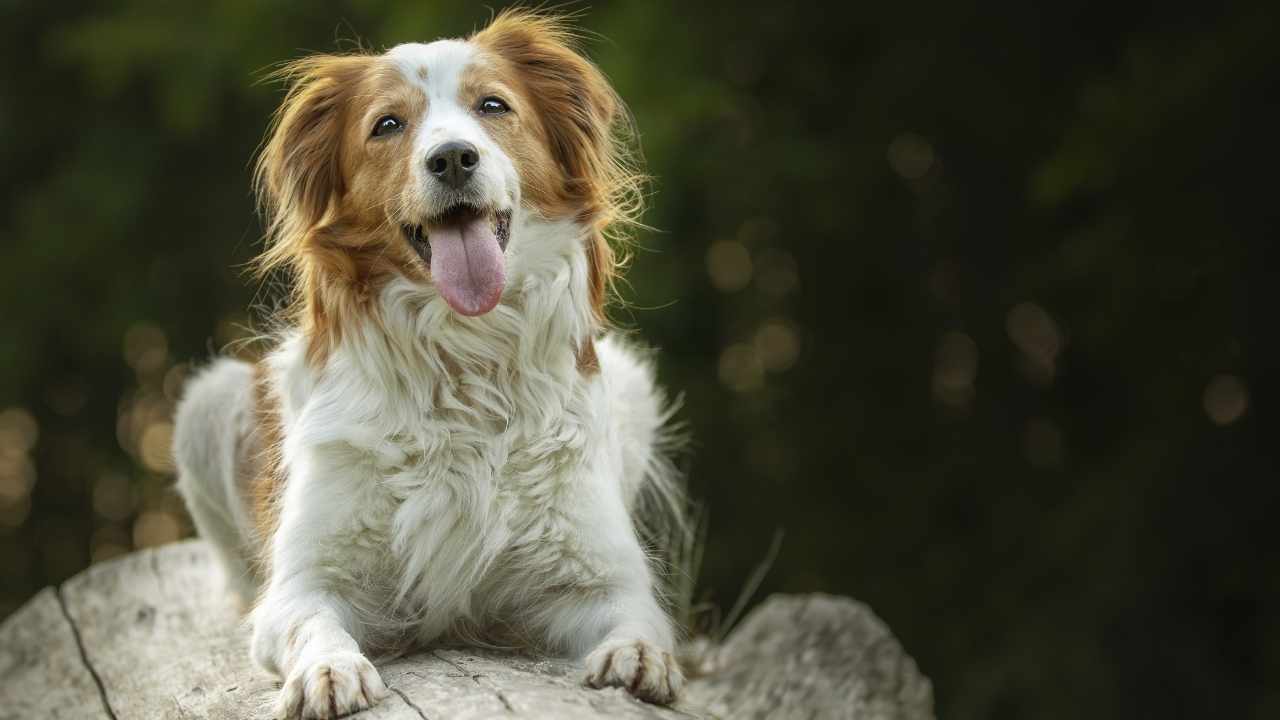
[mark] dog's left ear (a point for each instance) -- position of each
(298, 174)
(586, 125)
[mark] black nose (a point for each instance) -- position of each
(454, 163)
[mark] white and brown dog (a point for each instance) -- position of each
(443, 444)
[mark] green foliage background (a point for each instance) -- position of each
(968, 299)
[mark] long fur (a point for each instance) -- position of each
(393, 473)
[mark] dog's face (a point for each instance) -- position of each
(414, 163)
(437, 150)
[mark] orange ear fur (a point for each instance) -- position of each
(298, 179)
(589, 132)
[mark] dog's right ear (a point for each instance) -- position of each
(299, 175)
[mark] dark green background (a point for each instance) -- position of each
(1026, 256)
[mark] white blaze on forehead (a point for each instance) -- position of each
(435, 67)
(438, 70)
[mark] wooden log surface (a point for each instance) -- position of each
(150, 636)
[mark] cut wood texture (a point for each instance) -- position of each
(150, 636)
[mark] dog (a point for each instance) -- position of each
(444, 443)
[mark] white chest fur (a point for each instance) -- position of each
(436, 464)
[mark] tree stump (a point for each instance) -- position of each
(149, 636)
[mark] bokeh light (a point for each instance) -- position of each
(777, 345)
(740, 368)
(955, 369)
(145, 348)
(729, 265)
(19, 433)
(154, 528)
(1033, 331)
(113, 497)
(910, 156)
(1226, 398)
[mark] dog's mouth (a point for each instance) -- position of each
(456, 216)
(463, 246)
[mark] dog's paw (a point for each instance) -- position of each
(328, 687)
(645, 671)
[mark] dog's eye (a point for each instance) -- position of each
(386, 125)
(492, 106)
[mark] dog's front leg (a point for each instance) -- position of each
(614, 618)
(304, 634)
(636, 653)
(304, 628)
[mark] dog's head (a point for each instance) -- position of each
(413, 163)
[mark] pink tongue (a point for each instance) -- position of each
(467, 265)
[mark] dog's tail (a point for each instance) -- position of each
(214, 432)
